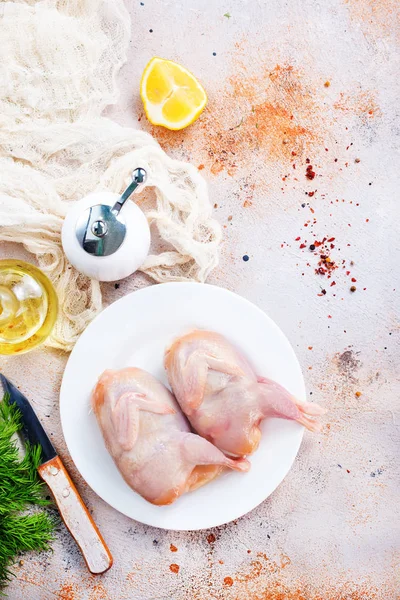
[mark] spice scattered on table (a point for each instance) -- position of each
(174, 568)
(325, 266)
(310, 174)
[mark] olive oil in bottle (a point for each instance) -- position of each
(28, 306)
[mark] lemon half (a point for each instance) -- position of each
(172, 96)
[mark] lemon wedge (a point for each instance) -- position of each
(172, 96)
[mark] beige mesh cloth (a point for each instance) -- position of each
(58, 66)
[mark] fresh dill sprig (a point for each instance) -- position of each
(20, 489)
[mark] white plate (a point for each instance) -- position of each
(134, 331)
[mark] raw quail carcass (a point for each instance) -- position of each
(150, 439)
(222, 396)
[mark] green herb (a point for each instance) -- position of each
(20, 489)
(236, 126)
(256, 125)
(227, 15)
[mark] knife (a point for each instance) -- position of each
(74, 513)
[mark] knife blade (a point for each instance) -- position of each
(73, 511)
(32, 429)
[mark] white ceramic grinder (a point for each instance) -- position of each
(104, 236)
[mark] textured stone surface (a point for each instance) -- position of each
(290, 81)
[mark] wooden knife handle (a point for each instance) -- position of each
(76, 517)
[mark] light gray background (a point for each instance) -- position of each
(331, 530)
